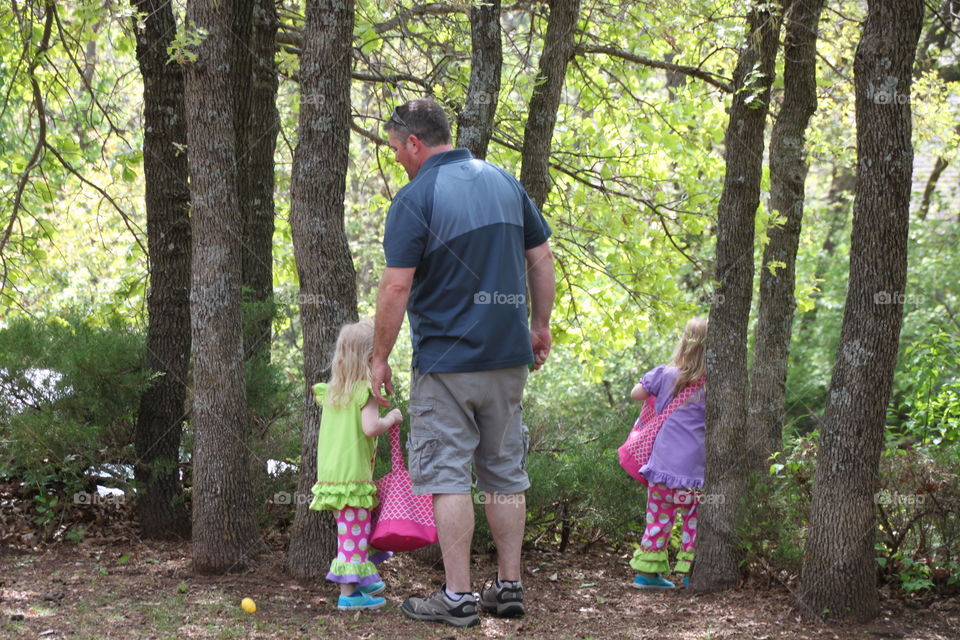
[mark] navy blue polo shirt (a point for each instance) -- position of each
(464, 224)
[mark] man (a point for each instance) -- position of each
(463, 243)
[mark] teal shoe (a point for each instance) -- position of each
(373, 589)
(360, 601)
(656, 582)
(686, 581)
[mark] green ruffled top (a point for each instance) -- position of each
(344, 454)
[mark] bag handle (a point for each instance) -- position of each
(681, 399)
(396, 453)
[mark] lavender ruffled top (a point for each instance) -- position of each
(679, 452)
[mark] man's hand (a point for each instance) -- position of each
(541, 341)
(391, 303)
(542, 283)
(381, 376)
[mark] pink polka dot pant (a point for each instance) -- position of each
(663, 504)
(354, 563)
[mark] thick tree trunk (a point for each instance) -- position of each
(161, 415)
(225, 532)
(328, 287)
(257, 143)
(839, 573)
(558, 47)
(788, 174)
(718, 553)
(476, 119)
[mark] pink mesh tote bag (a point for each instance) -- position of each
(635, 452)
(403, 521)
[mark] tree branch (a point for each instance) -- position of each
(34, 160)
(432, 9)
(123, 214)
(694, 72)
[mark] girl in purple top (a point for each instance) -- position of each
(676, 465)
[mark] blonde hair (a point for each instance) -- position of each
(351, 361)
(690, 355)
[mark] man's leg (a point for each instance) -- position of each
(454, 515)
(507, 515)
(501, 475)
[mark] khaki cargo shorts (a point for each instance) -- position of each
(461, 418)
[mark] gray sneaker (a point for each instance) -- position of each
(506, 600)
(440, 608)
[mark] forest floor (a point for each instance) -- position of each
(121, 587)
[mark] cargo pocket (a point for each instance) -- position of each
(422, 444)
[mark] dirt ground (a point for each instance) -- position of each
(121, 587)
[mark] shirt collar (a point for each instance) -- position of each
(461, 154)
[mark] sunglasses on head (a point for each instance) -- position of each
(396, 117)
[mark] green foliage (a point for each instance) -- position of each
(187, 36)
(69, 390)
(929, 411)
(578, 490)
(773, 529)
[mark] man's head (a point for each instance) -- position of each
(417, 130)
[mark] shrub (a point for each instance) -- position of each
(918, 514)
(69, 390)
(578, 490)
(774, 525)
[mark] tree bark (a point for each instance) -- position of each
(558, 47)
(788, 174)
(160, 418)
(839, 573)
(328, 288)
(718, 553)
(257, 136)
(476, 119)
(225, 532)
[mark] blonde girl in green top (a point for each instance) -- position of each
(346, 445)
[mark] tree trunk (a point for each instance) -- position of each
(257, 143)
(558, 47)
(476, 120)
(788, 174)
(839, 576)
(328, 287)
(225, 532)
(160, 417)
(718, 553)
